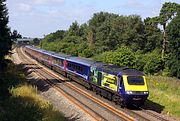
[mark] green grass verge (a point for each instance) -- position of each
(20, 101)
(32, 104)
(165, 91)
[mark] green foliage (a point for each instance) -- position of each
(174, 46)
(74, 30)
(154, 63)
(122, 57)
(20, 102)
(105, 34)
(15, 35)
(153, 36)
(87, 53)
(36, 41)
(167, 12)
(10, 76)
(5, 40)
(26, 105)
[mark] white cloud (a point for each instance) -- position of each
(132, 4)
(24, 7)
(47, 1)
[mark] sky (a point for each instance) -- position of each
(37, 18)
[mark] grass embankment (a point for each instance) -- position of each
(165, 91)
(20, 101)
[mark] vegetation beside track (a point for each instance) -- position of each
(20, 101)
(166, 92)
(125, 40)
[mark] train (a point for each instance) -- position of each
(122, 85)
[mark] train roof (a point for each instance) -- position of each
(61, 55)
(131, 72)
(117, 70)
(112, 69)
(80, 60)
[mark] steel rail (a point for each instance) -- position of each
(82, 92)
(76, 102)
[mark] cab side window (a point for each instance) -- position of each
(120, 82)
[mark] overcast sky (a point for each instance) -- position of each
(35, 18)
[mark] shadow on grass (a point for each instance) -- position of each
(150, 105)
(27, 109)
(16, 108)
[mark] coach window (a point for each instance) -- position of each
(78, 68)
(70, 65)
(60, 62)
(54, 60)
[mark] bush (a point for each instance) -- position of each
(87, 53)
(122, 57)
(9, 77)
(154, 63)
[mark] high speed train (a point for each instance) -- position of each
(125, 86)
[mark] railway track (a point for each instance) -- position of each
(153, 114)
(49, 82)
(95, 107)
(98, 109)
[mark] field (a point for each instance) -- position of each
(20, 101)
(165, 91)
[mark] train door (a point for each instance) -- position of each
(120, 85)
(99, 78)
(94, 75)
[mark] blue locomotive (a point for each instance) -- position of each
(124, 86)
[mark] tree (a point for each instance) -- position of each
(5, 41)
(36, 41)
(15, 35)
(167, 12)
(174, 46)
(153, 36)
(74, 30)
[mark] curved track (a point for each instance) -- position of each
(87, 102)
(94, 107)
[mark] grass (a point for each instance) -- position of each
(20, 101)
(165, 91)
(44, 110)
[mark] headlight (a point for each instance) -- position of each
(129, 92)
(146, 92)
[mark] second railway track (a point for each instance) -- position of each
(93, 106)
(87, 102)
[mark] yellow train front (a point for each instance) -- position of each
(133, 87)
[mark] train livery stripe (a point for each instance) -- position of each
(65, 64)
(134, 87)
(51, 59)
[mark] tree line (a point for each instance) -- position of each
(116, 39)
(125, 40)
